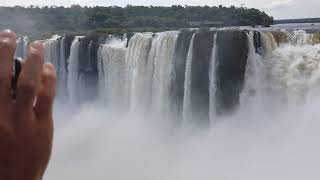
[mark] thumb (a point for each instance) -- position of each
(46, 96)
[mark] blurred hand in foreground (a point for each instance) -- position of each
(26, 125)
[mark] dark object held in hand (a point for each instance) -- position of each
(17, 65)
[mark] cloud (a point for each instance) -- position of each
(279, 4)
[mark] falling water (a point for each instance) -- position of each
(164, 73)
(112, 73)
(73, 71)
(250, 142)
(212, 85)
(187, 83)
(21, 49)
(136, 65)
(254, 76)
(295, 69)
(55, 54)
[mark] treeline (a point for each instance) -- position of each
(36, 19)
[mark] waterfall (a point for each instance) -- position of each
(88, 67)
(254, 75)
(111, 64)
(63, 76)
(187, 84)
(73, 69)
(21, 49)
(55, 54)
(164, 73)
(259, 91)
(136, 66)
(186, 74)
(269, 44)
(294, 69)
(212, 85)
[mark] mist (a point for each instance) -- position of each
(96, 143)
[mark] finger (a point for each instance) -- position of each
(47, 93)
(29, 82)
(7, 49)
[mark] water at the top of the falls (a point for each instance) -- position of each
(114, 41)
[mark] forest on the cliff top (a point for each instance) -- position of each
(34, 19)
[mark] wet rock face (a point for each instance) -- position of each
(201, 59)
(232, 54)
(88, 69)
(257, 42)
(67, 45)
(180, 57)
(68, 39)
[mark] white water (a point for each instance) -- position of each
(254, 78)
(73, 68)
(187, 83)
(112, 73)
(21, 49)
(212, 85)
(93, 143)
(295, 70)
(136, 75)
(164, 73)
(97, 142)
(55, 54)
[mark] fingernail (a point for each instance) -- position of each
(4, 43)
(36, 45)
(49, 66)
(7, 34)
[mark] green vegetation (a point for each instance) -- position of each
(77, 19)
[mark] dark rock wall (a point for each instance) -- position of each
(201, 59)
(232, 54)
(180, 57)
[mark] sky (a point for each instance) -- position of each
(280, 9)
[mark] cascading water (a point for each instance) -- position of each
(164, 73)
(269, 44)
(294, 69)
(136, 70)
(212, 85)
(187, 84)
(55, 54)
(21, 49)
(227, 77)
(254, 76)
(73, 71)
(111, 64)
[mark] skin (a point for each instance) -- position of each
(26, 124)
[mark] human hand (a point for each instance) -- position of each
(26, 125)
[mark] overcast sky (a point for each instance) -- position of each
(278, 8)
